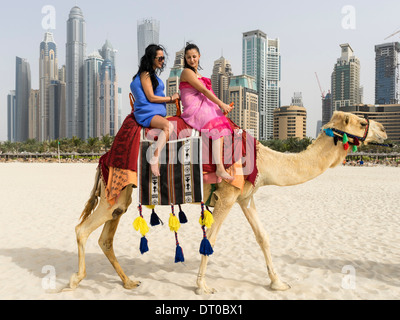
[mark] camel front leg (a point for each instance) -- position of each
(263, 240)
(106, 242)
(223, 206)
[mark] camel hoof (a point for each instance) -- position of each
(75, 280)
(279, 286)
(205, 291)
(131, 284)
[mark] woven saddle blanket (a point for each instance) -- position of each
(119, 166)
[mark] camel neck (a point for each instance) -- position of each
(282, 169)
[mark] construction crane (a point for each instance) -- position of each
(393, 34)
(320, 88)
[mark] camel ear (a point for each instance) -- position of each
(347, 119)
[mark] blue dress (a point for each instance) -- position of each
(144, 109)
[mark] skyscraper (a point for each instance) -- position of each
(387, 73)
(174, 80)
(22, 94)
(75, 55)
(11, 116)
(48, 71)
(92, 69)
(222, 71)
(346, 79)
(148, 32)
(107, 101)
(261, 59)
(242, 91)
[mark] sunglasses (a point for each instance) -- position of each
(160, 59)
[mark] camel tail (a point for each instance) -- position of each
(91, 204)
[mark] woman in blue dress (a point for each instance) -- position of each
(150, 100)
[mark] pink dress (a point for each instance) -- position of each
(202, 114)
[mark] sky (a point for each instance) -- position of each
(310, 34)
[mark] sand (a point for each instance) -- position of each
(335, 237)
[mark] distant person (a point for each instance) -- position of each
(201, 108)
(150, 100)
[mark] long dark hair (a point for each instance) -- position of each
(190, 46)
(146, 63)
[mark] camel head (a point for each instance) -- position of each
(356, 126)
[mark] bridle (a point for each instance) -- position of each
(339, 135)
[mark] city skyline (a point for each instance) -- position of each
(310, 34)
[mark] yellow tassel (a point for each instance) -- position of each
(208, 219)
(174, 223)
(140, 224)
(151, 207)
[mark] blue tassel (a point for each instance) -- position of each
(329, 133)
(179, 254)
(144, 245)
(154, 219)
(206, 248)
(182, 217)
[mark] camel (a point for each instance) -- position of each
(275, 168)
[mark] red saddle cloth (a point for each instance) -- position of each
(239, 148)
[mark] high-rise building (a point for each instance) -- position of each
(11, 116)
(262, 60)
(173, 80)
(222, 71)
(242, 92)
(92, 69)
(22, 94)
(75, 57)
(57, 107)
(107, 102)
(327, 108)
(297, 99)
(34, 114)
(346, 79)
(148, 32)
(387, 73)
(290, 122)
(48, 71)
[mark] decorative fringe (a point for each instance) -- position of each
(174, 226)
(206, 248)
(155, 219)
(346, 142)
(179, 254)
(140, 225)
(206, 220)
(143, 246)
(174, 223)
(182, 216)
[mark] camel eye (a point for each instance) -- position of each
(363, 124)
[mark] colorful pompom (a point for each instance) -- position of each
(140, 225)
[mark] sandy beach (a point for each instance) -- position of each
(335, 237)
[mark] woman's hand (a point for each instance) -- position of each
(175, 97)
(226, 108)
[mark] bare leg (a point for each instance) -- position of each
(217, 155)
(263, 240)
(167, 128)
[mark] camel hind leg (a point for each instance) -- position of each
(249, 210)
(92, 222)
(106, 242)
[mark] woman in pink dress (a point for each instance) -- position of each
(201, 108)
